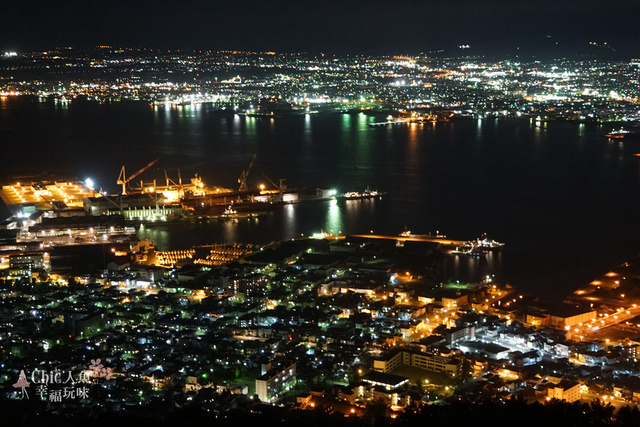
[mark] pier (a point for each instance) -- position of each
(433, 239)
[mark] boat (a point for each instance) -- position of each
(229, 212)
(485, 244)
(390, 121)
(468, 248)
(366, 194)
(622, 133)
(478, 246)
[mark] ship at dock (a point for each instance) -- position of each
(231, 205)
(366, 194)
(486, 244)
(622, 133)
(256, 202)
(478, 246)
(156, 201)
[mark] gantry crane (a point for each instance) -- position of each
(177, 185)
(245, 174)
(123, 180)
(281, 186)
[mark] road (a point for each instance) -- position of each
(601, 328)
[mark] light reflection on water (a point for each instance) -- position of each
(473, 267)
(291, 221)
(284, 222)
(563, 199)
(333, 223)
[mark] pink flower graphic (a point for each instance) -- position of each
(100, 370)
(96, 366)
(108, 373)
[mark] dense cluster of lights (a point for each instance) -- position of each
(264, 82)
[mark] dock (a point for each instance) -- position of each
(434, 239)
(45, 194)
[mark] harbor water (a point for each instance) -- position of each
(564, 200)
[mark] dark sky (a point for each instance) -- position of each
(350, 26)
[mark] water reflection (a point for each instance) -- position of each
(333, 222)
(230, 230)
(250, 125)
(536, 176)
(290, 223)
(160, 237)
(346, 121)
(413, 135)
(471, 268)
(307, 130)
(363, 121)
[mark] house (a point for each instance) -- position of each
(118, 265)
(417, 359)
(275, 380)
(566, 390)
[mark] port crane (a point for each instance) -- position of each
(172, 182)
(245, 174)
(281, 186)
(123, 180)
(177, 185)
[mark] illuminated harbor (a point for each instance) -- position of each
(251, 213)
(280, 267)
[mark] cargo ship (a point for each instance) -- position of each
(485, 244)
(247, 202)
(366, 194)
(622, 133)
(224, 207)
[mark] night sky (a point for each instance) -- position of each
(350, 26)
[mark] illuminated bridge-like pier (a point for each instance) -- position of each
(415, 238)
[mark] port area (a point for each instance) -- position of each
(413, 118)
(30, 195)
(37, 197)
(247, 205)
(615, 296)
(259, 205)
(217, 206)
(44, 193)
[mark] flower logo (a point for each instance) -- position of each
(100, 370)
